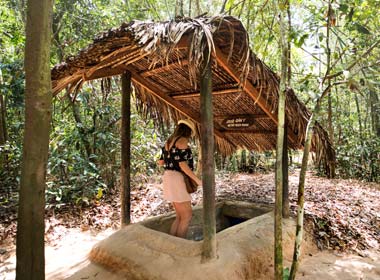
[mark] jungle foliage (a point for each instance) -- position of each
(84, 154)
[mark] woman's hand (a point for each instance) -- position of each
(199, 182)
(185, 168)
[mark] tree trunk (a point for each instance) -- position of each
(330, 166)
(329, 119)
(198, 172)
(208, 169)
(79, 125)
(125, 174)
(278, 266)
(38, 102)
(301, 200)
(223, 7)
(241, 8)
(55, 28)
(305, 158)
(289, 73)
(243, 161)
(285, 178)
(3, 123)
(197, 8)
(375, 112)
(359, 118)
(178, 12)
(3, 127)
(285, 150)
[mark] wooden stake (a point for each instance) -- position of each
(125, 170)
(208, 175)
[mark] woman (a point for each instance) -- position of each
(176, 157)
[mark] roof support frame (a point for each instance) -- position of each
(208, 162)
(248, 87)
(136, 78)
(198, 93)
(252, 131)
(163, 68)
(125, 167)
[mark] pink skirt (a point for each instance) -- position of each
(174, 187)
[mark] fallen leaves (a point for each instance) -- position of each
(342, 214)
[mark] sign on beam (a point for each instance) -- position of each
(238, 122)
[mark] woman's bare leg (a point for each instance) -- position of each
(185, 213)
(174, 227)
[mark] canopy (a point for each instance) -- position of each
(165, 59)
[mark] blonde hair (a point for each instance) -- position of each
(182, 130)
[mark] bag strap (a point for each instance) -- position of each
(173, 145)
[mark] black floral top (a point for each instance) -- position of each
(173, 157)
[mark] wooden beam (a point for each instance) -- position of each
(164, 68)
(118, 57)
(208, 168)
(249, 88)
(254, 116)
(172, 102)
(125, 170)
(104, 72)
(236, 90)
(251, 131)
(197, 94)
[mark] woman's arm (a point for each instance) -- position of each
(186, 169)
(160, 162)
(182, 143)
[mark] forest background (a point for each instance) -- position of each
(84, 157)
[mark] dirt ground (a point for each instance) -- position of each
(343, 215)
(329, 265)
(61, 261)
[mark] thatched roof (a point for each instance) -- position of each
(164, 59)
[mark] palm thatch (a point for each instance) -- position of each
(165, 59)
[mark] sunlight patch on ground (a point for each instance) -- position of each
(65, 258)
(327, 265)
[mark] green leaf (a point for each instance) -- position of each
(286, 273)
(298, 43)
(361, 28)
(321, 36)
(343, 8)
(99, 195)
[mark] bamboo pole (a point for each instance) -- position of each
(208, 178)
(125, 172)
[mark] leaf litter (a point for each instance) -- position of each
(342, 214)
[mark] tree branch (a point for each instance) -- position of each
(355, 62)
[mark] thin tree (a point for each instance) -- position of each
(38, 102)
(3, 126)
(282, 7)
(285, 156)
(324, 90)
(305, 158)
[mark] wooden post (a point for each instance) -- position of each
(208, 175)
(285, 176)
(125, 172)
